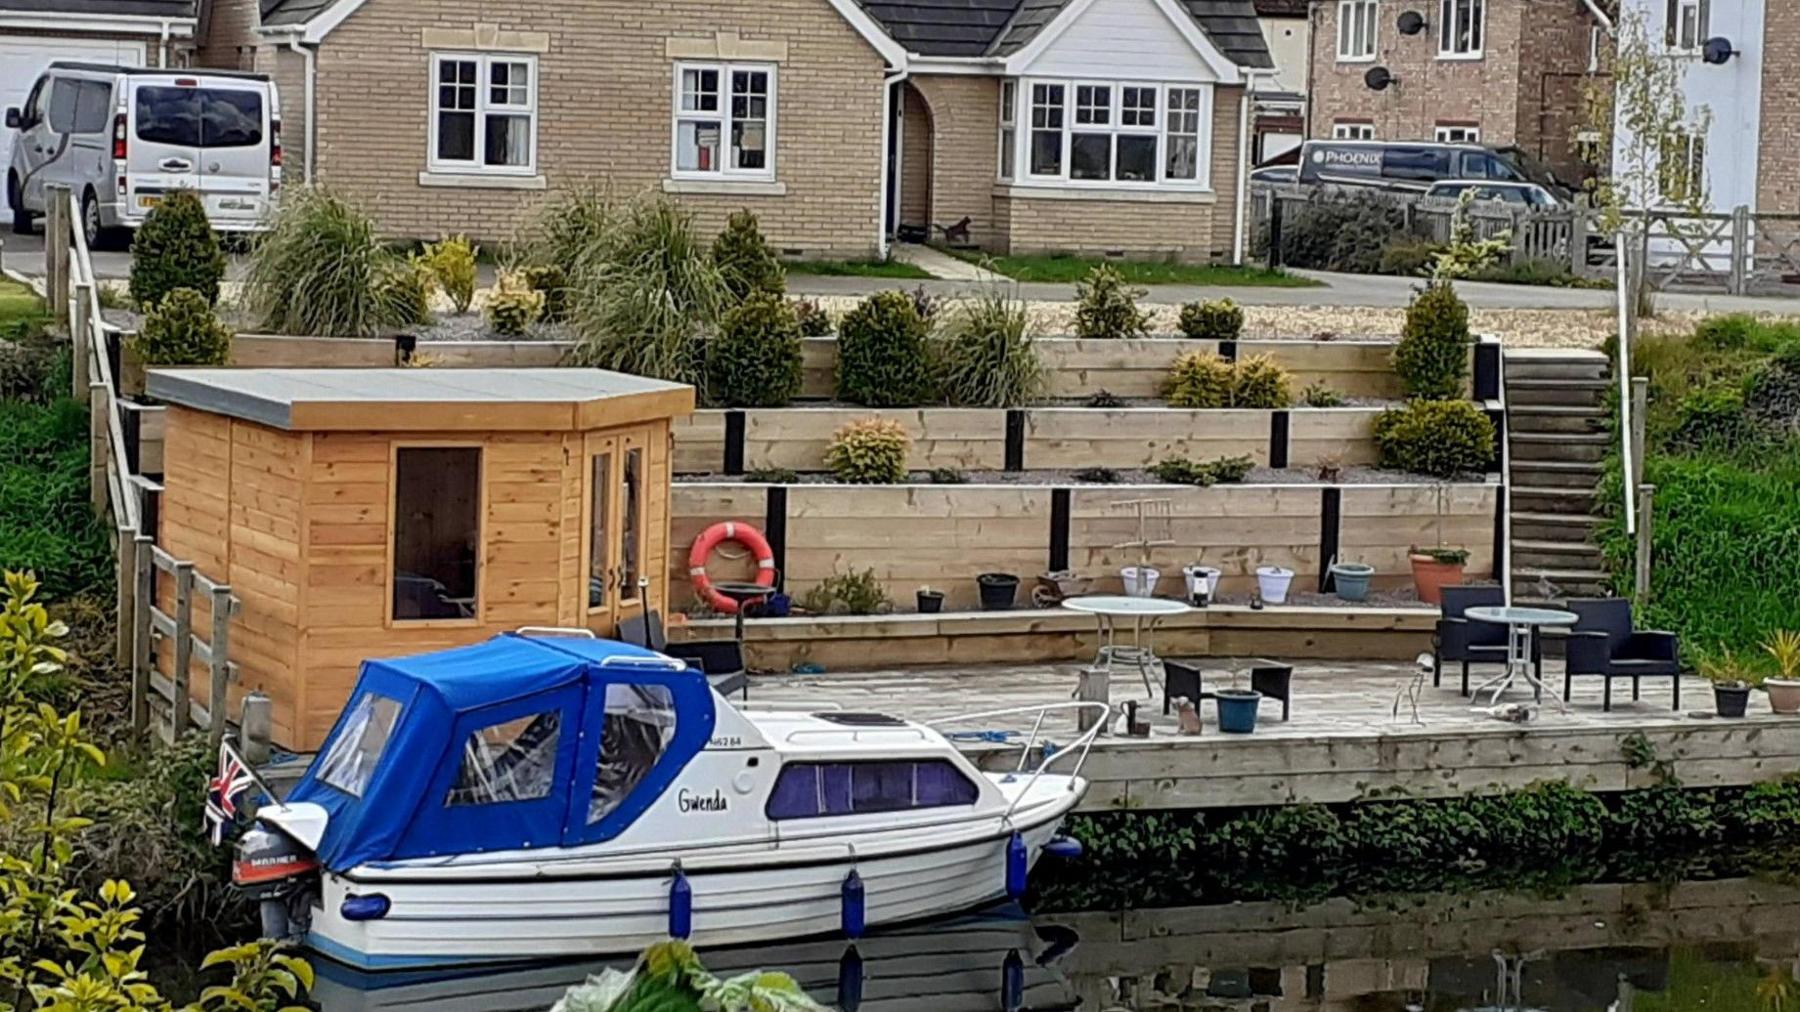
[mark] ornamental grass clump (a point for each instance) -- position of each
(884, 360)
(986, 355)
(754, 362)
(321, 270)
(514, 305)
(176, 248)
(1432, 358)
(452, 263)
(1439, 439)
(553, 282)
(1106, 307)
(871, 451)
(182, 330)
(745, 260)
(1220, 320)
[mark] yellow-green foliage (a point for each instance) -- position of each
(1441, 439)
(1220, 320)
(407, 285)
(1201, 379)
(1106, 307)
(182, 330)
(871, 451)
(452, 262)
(514, 304)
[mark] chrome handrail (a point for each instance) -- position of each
(1084, 743)
(555, 630)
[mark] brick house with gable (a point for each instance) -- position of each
(1081, 125)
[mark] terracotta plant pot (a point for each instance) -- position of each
(1430, 577)
(1784, 694)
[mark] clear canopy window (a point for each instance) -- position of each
(437, 531)
(639, 723)
(810, 790)
(357, 749)
(514, 760)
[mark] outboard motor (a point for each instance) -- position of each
(276, 871)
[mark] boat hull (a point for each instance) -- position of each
(434, 923)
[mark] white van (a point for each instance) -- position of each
(122, 137)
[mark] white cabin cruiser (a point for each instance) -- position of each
(539, 796)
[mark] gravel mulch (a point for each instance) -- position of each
(1127, 477)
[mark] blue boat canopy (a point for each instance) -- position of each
(517, 742)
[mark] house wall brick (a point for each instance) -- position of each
(916, 142)
(1778, 172)
(965, 116)
(1185, 229)
(288, 70)
(230, 42)
(1554, 79)
(604, 101)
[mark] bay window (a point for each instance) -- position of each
(1111, 132)
(483, 113)
(724, 121)
(1009, 117)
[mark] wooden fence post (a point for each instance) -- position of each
(1578, 242)
(79, 335)
(218, 648)
(141, 664)
(99, 445)
(1737, 279)
(56, 251)
(256, 724)
(184, 648)
(126, 584)
(1646, 495)
(1640, 407)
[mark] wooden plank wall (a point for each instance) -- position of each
(1234, 528)
(1380, 523)
(267, 566)
(963, 438)
(1345, 434)
(697, 507)
(1138, 437)
(263, 351)
(195, 521)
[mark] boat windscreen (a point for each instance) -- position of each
(357, 749)
(637, 727)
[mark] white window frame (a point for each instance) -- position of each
(1116, 128)
(483, 108)
(1457, 133)
(1676, 20)
(1447, 20)
(1344, 130)
(1595, 36)
(1355, 15)
(1693, 143)
(677, 116)
(1009, 130)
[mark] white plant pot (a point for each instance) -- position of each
(1198, 577)
(1140, 581)
(1272, 582)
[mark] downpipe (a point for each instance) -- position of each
(310, 58)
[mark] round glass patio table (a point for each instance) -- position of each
(1521, 625)
(1144, 613)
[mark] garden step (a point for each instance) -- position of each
(1533, 554)
(1576, 392)
(1531, 364)
(1552, 499)
(1580, 474)
(1557, 418)
(1552, 526)
(1567, 446)
(1562, 583)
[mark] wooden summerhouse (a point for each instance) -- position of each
(379, 512)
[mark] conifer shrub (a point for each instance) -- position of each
(1439, 439)
(754, 362)
(182, 330)
(744, 259)
(884, 360)
(871, 451)
(1432, 358)
(176, 248)
(1218, 320)
(1106, 307)
(514, 305)
(452, 262)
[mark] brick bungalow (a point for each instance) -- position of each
(1083, 125)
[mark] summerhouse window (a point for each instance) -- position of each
(436, 532)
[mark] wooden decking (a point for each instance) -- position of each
(1343, 742)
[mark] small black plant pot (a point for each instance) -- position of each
(1731, 699)
(931, 602)
(997, 590)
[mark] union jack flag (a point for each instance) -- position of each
(222, 792)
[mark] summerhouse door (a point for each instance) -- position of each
(616, 483)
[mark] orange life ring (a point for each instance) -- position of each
(713, 537)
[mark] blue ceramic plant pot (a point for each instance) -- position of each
(1237, 710)
(1352, 580)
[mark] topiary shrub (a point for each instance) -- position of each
(745, 262)
(452, 262)
(871, 451)
(1437, 438)
(883, 358)
(985, 353)
(514, 305)
(176, 248)
(814, 320)
(182, 330)
(1199, 379)
(1106, 307)
(754, 362)
(1218, 320)
(553, 282)
(1260, 382)
(1432, 358)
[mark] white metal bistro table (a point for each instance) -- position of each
(1144, 613)
(1522, 625)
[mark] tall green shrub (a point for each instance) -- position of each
(1432, 358)
(1439, 439)
(1219, 320)
(1106, 307)
(754, 362)
(883, 358)
(182, 330)
(745, 261)
(985, 353)
(176, 248)
(322, 270)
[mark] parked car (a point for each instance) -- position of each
(1275, 174)
(1416, 165)
(1529, 195)
(122, 137)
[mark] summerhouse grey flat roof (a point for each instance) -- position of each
(423, 400)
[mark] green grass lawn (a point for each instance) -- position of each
(18, 303)
(855, 268)
(1054, 267)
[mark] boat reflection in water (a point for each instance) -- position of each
(992, 960)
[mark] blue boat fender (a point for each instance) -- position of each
(1012, 982)
(850, 980)
(854, 918)
(1066, 847)
(681, 906)
(1017, 867)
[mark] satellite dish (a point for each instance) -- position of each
(1411, 23)
(1717, 51)
(1378, 79)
